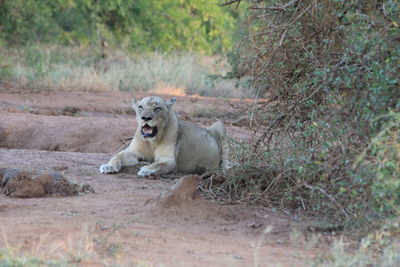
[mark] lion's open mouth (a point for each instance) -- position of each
(148, 131)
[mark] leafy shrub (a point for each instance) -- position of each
(163, 25)
(327, 72)
(6, 69)
(380, 164)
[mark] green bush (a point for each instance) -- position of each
(163, 25)
(6, 69)
(380, 164)
(328, 72)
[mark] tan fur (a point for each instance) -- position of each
(178, 146)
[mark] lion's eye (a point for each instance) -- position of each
(140, 107)
(157, 109)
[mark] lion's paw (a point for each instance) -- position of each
(108, 168)
(144, 171)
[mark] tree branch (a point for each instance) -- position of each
(230, 3)
(276, 8)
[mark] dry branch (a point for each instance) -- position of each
(230, 3)
(276, 8)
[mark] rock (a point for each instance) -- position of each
(17, 183)
(8, 174)
(183, 192)
(54, 184)
(70, 111)
(86, 189)
(20, 184)
(2, 182)
(23, 186)
(2, 172)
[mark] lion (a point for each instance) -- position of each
(170, 144)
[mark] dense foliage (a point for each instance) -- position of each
(161, 25)
(327, 137)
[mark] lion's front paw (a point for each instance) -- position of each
(145, 171)
(108, 168)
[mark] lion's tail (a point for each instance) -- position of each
(218, 131)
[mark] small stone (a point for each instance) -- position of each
(8, 174)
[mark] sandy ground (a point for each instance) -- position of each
(122, 223)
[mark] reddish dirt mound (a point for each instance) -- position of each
(16, 183)
(182, 193)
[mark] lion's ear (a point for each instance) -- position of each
(171, 102)
(134, 103)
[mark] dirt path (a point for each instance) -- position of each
(122, 223)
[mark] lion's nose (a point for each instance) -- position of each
(147, 118)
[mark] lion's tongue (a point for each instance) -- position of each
(147, 130)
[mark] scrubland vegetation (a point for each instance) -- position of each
(324, 76)
(50, 67)
(329, 127)
(9, 258)
(119, 45)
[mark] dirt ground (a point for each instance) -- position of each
(123, 223)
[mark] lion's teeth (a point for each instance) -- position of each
(147, 130)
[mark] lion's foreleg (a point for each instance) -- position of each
(161, 167)
(124, 158)
(165, 162)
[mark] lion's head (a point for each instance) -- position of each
(152, 115)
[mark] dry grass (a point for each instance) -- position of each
(380, 248)
(89, 246)
(75, 69)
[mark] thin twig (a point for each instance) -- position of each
(329, 196)
(230, 3)
(276, 8)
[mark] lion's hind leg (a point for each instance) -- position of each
(218, 131)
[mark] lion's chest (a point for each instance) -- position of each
(146, 152)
